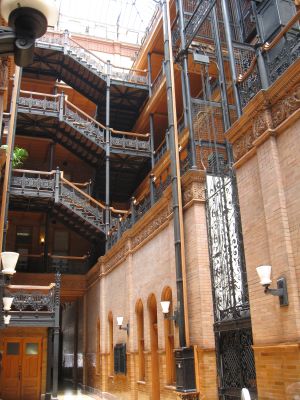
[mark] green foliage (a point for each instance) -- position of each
(19, 155)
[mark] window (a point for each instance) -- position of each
(140, 338)
(98, 355)
(23, 245)
(169, 340)
(120, 358)
(111, 343)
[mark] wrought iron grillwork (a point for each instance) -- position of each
(283, 55)
(244, 56)
(236, 360)
(233, 335)
(226, 249)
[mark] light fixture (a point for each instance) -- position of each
(264, 273)
(120, 324)
(165, 305)
(6, 319)
(245, 394)
(42, 240)
(9, 261)
(7, 302)
(27, 21)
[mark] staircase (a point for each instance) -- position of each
(69, 122)
(60, 57)
(37, 190)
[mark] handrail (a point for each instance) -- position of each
(40, 94)
(268, 46)
(144, 135)
(85, 114)
(91, 199)
(105, 62)
(29, 171)
(160, 146)
(31, 287)
(241, 78)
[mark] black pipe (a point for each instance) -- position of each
(175, 194)
(186, 83)
(107, 156)
(231, 57)
(220, 63)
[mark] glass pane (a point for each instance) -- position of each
(32, 348)
(13, 349)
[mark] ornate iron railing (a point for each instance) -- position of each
(278, 56)
(63, 42)
(33, 183)
(59, 107)
(81, 204)
(140, 207)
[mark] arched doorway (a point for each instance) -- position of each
(152, 308)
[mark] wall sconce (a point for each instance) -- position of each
(7, 302)
(120, 324)
(165, 305)
(9, 261)
(264, 273)
(42, 240)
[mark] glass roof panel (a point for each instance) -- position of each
(119, 20)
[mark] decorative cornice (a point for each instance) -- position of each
(265, 113)
(155, 219)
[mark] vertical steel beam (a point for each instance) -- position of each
(261, 65)
(152, 139)
(107, 155)
(176, 184)
(9, 158)
(231, 57)
(149, 74)
(220, 62)
(186, 84)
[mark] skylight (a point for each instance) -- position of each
(119, 20)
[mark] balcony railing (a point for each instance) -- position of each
(62, 41)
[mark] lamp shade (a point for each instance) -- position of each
(165, 305)
(245, 395)
(9, 261)
(7, 319)
(7, 302)
(120, 321)
(46, 7)
(264, 273)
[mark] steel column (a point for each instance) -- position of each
(152, 139)
(231, 57)
(107, 156)
(220, 62)
(186, 84)
(176, 186)
(149, 74)
(261, 65)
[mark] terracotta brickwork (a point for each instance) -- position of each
(139, 267)
(266, 146)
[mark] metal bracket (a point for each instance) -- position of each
(281, 291)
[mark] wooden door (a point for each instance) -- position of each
(11, 373)
(31, 369)
(22, 369)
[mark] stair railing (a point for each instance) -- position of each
(33, 183)
(39, 101)
(81, 121)
(92, 61)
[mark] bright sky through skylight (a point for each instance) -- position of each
(122, 20)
